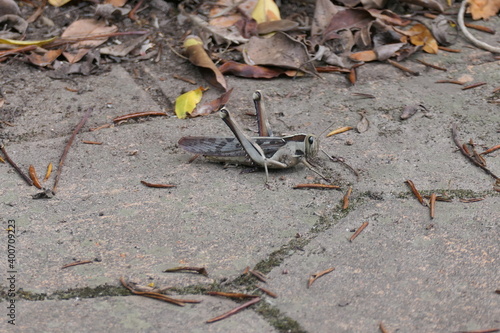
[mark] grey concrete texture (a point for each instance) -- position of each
(412, 273)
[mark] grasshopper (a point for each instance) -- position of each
(266, 150)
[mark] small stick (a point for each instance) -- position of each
(68, 145)
(475, 85)
(199, 270)
(37, 12)
(131, 14)
(235, 310)
(258, 275)
(480, 28)
(329, 69)
(81, 262)
(345, 203)
(416, 193)
(432, 204)
(454, 134)
(492, 149)
(139, 114)
(447, 49)
(491, 330)
(403, 68)
(34, 177)
(101, 127)
(317, 186)
(439, 198)
(14, 165)
(363, 226)
(268, 292)
(363, 95)
(157, 185)
(431, 65)
(178, 77)
(316, 276)
(230, 295)
(450, 81)
(161, 297)
(91, 142)
(48, 172)
(339, 130)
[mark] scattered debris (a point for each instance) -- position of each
(157, 185)
(184, 269)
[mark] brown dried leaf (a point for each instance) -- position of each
(423, 37)
(483, 9)
(365, 56)
(45, 59)
(323, 13)
(358, 19)
(279, 50)
(255, 72)
(273, 26)
(199, 57)
(85, 28)
(211, 106)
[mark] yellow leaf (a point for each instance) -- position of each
(185, 103)
(423, 37)
(58, 3)
(265, 11)
(27, 42)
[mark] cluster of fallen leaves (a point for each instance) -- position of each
(338, 38)
(75, 50)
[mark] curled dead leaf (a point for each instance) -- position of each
(423, 37)
(255, 72)
(211, 106)
(483, 9)
(265, 11)
(199, 57)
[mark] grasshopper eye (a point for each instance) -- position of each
(310, 140)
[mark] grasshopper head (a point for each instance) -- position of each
(311, 145)
(223, 113)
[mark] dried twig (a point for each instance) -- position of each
(268, 292)
(68, 145)
(138, 115)
(235, 310)
(161, 297)
(183, 269)
(492, 149)
(76, 263)
(416, 193)
(403, 68)
(431, 65)
(356, 234)
(157, 185)
(230, 295)
(317, 186)
(432, 204)
(316, 276)
(475, 85)
(454, 134)
(14, 165)
(345, 203)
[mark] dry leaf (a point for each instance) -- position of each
(273, 26)
(423, 37)
(255, 72)
(185, 103)
(45, 59)
(9, 7)
(85, 28)
(366, 56)
(58, 3)
(279, 50)
(265, 11)
(483, 9)
(199, 57)
(212, 106)
(323, 13)
(116, 3)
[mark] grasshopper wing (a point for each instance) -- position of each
(212, 146)
(227, 147)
